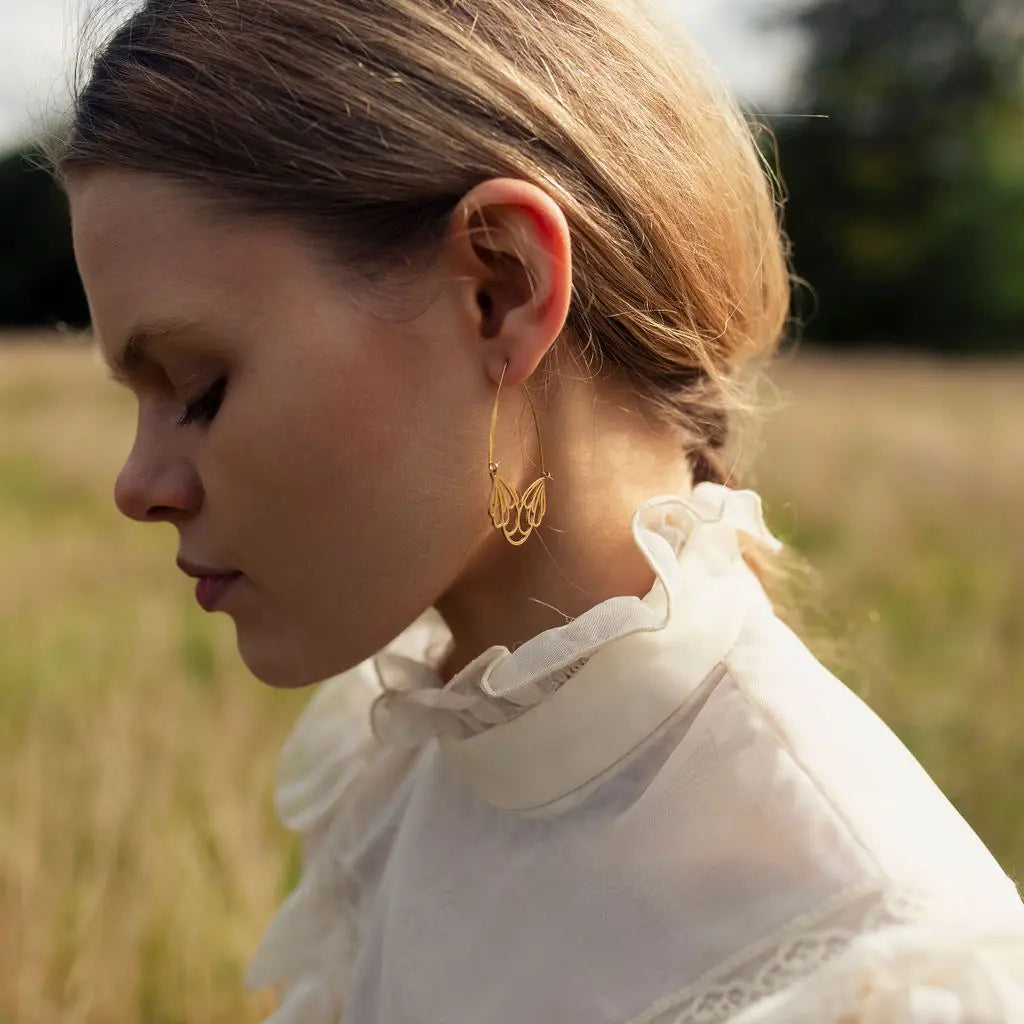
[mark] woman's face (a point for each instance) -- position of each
(332, 458)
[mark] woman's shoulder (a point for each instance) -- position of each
(859, 772)
(895, 909)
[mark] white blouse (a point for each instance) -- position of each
(665, 811)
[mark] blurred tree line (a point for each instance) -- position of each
(905, 200)
(38, 280)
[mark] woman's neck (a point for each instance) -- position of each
(584, 552)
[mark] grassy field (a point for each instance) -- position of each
(140, 858)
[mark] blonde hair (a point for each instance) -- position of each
(366, 121)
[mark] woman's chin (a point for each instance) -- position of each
(276, 664)
(289, 663)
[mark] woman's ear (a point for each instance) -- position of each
(514, 255)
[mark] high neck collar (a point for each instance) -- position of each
(527, 726)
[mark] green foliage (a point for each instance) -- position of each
(39, 282)
(906, 199)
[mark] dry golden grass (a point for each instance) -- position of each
(901, 480)
(140, 857)
(141, 860)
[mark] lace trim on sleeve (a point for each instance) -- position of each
(785, 957)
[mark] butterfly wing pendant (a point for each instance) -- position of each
(514, 514)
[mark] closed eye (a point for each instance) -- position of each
(205, 407)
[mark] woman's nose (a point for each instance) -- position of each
(154, 490)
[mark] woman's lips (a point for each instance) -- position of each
(210, 589)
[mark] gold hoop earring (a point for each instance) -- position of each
(514, 514)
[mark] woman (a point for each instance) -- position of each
(438, 314)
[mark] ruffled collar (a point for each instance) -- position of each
(522, 727)
(510, 721)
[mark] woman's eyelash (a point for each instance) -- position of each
(206, 405)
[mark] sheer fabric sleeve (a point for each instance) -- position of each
(336, 785)
(889, 955)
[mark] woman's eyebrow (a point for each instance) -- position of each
(133, 357)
